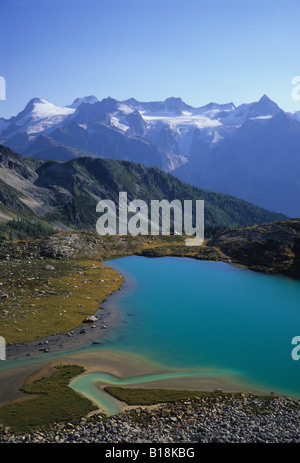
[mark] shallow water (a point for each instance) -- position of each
(87, 384)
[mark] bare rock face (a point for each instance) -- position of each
(273, 247)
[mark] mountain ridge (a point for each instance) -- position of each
(238, 150)
(65, 194)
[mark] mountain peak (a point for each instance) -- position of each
(34, 101)
(131, 101)
(175, 105)
(91, 99)
(265, 99)
(38, 100)
(263, 108)
(173, 99)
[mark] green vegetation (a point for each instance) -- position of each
(86, 180)
(139, 396)
(13, 200)
(23, 222)
(147, 397)
(70, 191)
(110, 176)
(24, 228)
(78, 211)
(56, 401)
(42, 302)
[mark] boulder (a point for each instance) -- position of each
(90, 319)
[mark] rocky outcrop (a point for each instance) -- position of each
(224, 418)
(271, 248)
(196, 252)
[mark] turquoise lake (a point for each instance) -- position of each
(197, 318)
(191, 314)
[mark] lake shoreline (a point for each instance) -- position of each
(121, 364)
(108, 317)
(64, 345)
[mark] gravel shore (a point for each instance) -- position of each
(225, 418)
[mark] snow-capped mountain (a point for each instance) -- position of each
(212, 123)
(87, 99)
(172, 118)
(259, 163)
(38, 116)
(223, 147)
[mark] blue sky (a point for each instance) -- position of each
(201, 50)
